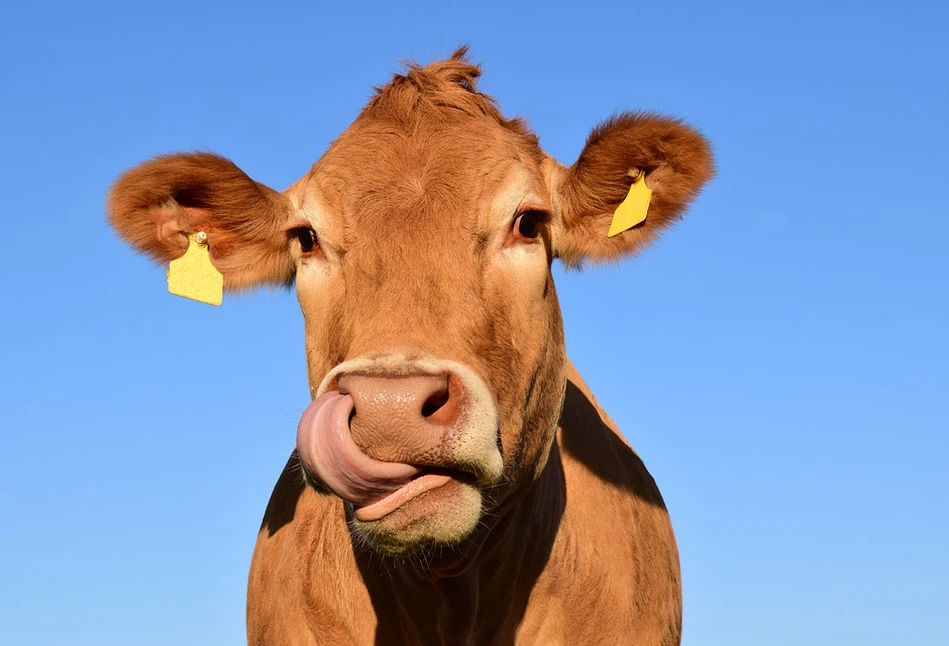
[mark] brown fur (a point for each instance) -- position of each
(156, 205)
(414, 206)
(677, 162)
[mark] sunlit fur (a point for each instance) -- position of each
(414, 206)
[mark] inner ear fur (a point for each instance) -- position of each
(677, 161)
(158, 204)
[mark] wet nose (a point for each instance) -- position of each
(402, 418)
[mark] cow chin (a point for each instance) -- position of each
(442, 517)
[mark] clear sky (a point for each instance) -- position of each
(780, 360)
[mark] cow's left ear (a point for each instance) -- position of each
(676, 159)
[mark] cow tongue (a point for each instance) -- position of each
(328, 451)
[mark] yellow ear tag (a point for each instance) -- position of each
(194, 276)
(633, 209)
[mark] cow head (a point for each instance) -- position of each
(421, 246)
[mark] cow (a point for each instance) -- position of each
(454, 480)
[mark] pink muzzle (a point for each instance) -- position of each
(380, 439)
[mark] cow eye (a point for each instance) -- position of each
(527, 224)
(307, 238)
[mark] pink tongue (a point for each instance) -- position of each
(329, 453)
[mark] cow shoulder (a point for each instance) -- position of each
(613, 576)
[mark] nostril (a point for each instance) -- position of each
(435, 402)
(441, 405)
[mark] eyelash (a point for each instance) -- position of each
(307, 238)
(528, 224)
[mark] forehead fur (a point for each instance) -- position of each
(428, 147)
(436, 92)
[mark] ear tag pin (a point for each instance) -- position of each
(193, 275)
(633, 209)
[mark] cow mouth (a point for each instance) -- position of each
(428, 479)
(374, 488)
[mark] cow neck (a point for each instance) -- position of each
(487, 588)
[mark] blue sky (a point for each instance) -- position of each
(780, 360)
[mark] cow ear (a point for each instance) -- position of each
(157, 205)
(676, 159)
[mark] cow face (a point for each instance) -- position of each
(421, 245)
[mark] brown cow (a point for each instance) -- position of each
(454, 481)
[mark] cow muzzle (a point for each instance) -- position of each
(406, 443)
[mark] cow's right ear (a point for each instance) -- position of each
(158, 204)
